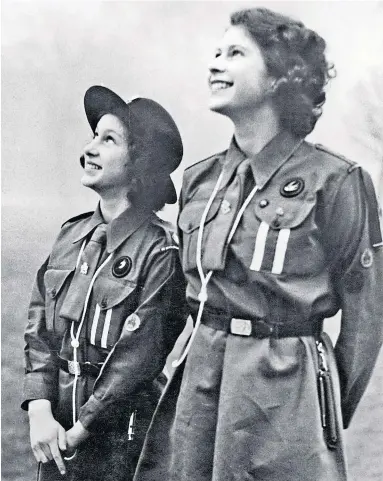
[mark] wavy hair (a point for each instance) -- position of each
(295, 57)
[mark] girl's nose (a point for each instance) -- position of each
(90, 148)
(217, 65)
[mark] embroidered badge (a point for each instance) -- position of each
(132, 322)
(366, 258)
(84, 268)
(122, 266)
(225, 207)
(292, 187)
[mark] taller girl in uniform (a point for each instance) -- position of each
(107, 305)
(276, 234)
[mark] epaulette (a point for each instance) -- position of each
(78, 217)
(352, 165)
(169, 230)
(206, 159)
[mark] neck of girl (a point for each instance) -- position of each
(112, 206)
(253, 130)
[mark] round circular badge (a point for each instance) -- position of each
(132, 322)
(292, 187)
(367, 258)
(122, 266)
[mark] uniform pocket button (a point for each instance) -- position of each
(53, 293)
(104, 303)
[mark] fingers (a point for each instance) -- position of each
(39, 455)
(62, 439)
(57, 458)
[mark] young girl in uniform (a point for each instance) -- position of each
(107, 305)
(276, 235)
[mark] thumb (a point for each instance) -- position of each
(62, 439)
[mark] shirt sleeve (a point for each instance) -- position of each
(356, 260)
(147, 338)
(41, 372)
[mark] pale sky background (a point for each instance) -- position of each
(53, 51)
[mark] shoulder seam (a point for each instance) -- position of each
(351, 163)
(206, 159)
(78, 217)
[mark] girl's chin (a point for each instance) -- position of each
(88, 181)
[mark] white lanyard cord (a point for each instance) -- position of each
(202, 296)
(240, 213)
(75, 337)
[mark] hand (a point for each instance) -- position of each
(76, 435)
(47, 435)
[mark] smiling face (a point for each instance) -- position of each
(106, 157)
(238, 78)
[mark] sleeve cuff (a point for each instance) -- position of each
(36, 386)
(89, 412)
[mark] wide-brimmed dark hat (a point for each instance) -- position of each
(154, 140)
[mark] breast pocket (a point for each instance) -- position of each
(285, 240)
(56, 281)
(189, 222)
(113, 301)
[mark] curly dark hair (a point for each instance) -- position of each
(294, 55)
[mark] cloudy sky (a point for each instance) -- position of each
(53, 51)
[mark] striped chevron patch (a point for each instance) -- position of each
(270, 249)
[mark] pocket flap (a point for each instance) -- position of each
(54, 280)
(110, 292)
(290, 214)
(190, 216)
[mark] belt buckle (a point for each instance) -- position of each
(74, 368)
(240, 327)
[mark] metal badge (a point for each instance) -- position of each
(122, 266)
(133, 322)
(240, 327)
(74, 368)
(225, 207)
(366, 258)
(84, 268)
(292, 187)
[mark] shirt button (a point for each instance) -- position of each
(53, 293)
(263, 203)
(280, 211)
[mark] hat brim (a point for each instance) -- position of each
(99, 101)
(171, 192)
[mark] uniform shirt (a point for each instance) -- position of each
(302, 251)
(132, 320)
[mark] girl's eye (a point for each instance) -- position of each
(236, 52)
(109, 139)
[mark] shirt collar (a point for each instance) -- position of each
(266, 163)
(119, 229)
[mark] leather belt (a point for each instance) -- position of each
(259, 328)
(79, 368)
